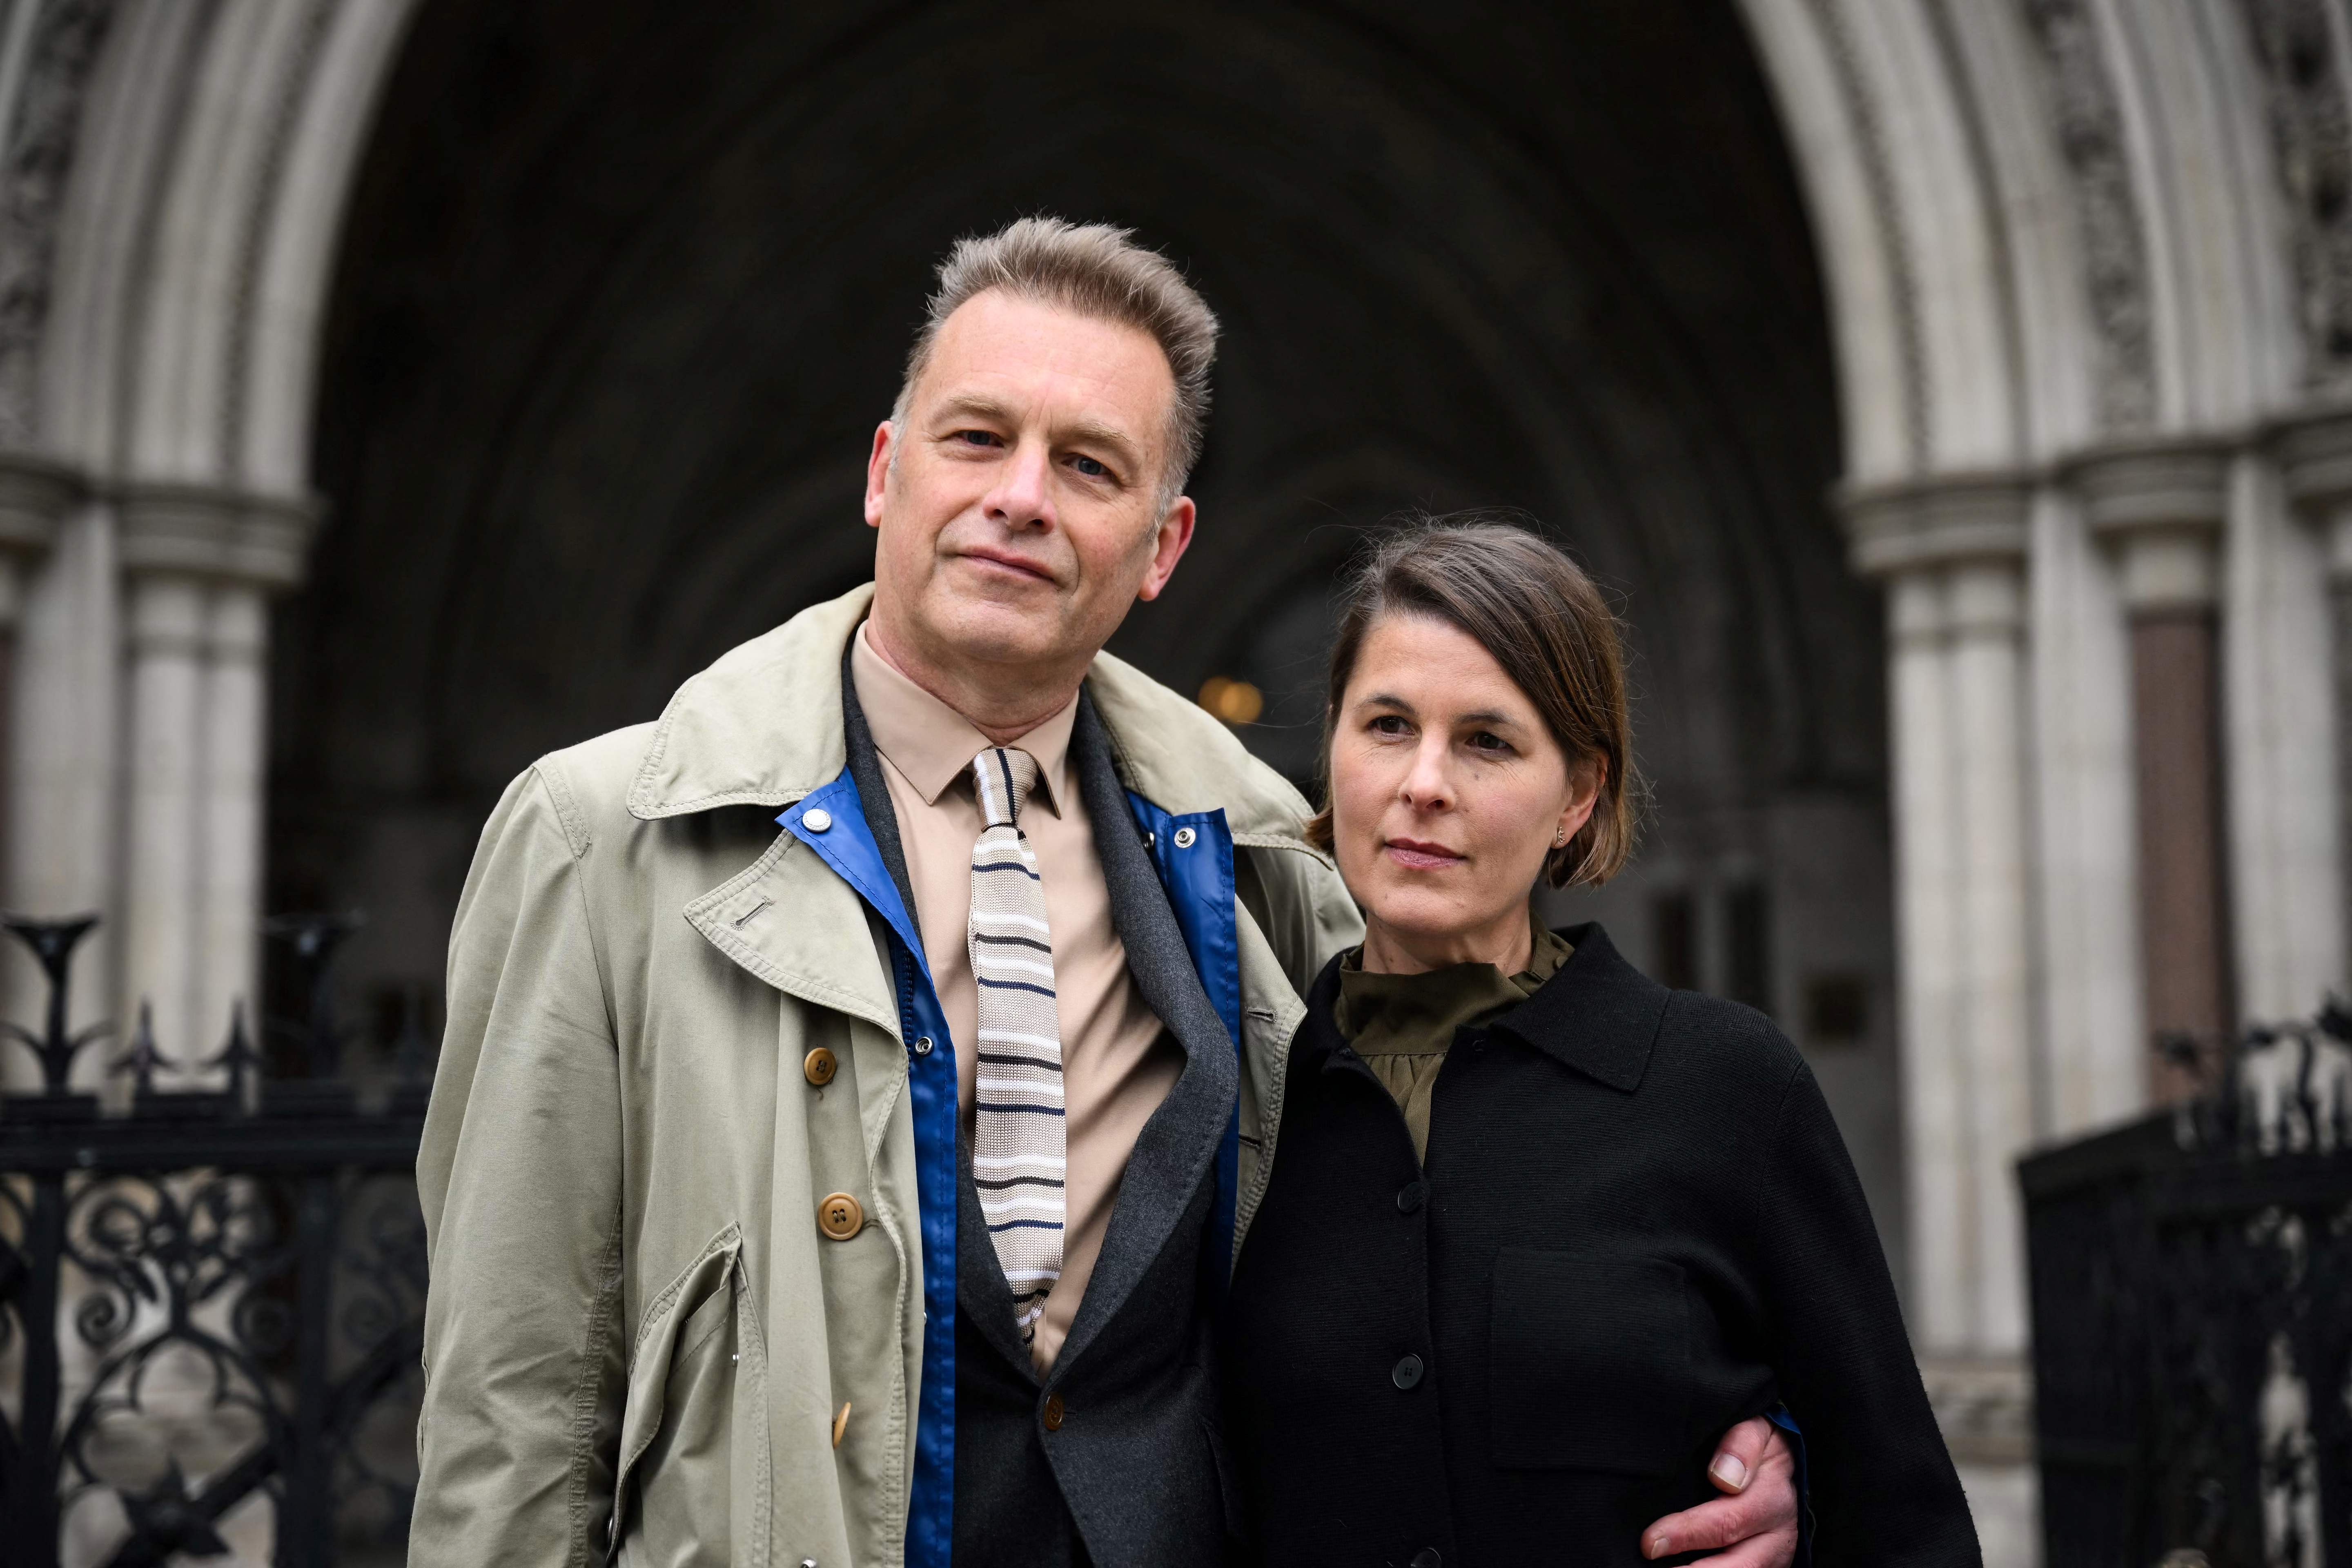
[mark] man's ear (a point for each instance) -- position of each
(1174, 538)
(877, 471)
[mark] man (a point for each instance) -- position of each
(858, 1193)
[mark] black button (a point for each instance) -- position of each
(1408, 1373)
(1428, 1558)
(1410, 1196)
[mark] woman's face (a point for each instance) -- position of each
(1447, 792)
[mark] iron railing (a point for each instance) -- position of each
(2192, 1319)
(220, 1282)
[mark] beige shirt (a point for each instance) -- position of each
(1117, 1063)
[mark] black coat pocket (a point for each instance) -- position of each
(1590, 1365)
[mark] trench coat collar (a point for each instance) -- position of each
(762, 726)
(1598, 1015)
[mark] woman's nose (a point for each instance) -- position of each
(1429, 783)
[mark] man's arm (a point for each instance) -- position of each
(1753, 1527)
(519, 1176)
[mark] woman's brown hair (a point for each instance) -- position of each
(1536, 615)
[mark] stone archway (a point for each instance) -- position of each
(618, 304)
(2084, 267)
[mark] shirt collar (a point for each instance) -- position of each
(932, 746)
(1387, 1014)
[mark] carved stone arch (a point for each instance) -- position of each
(183, 272)
(1971, 200)
(2053, 232)
(2189, 89)
(277, 112)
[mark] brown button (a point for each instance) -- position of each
(839, 1215)
(1053, 1412)
(820, 1065)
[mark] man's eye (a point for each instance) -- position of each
(977, 438)
(1090, 467)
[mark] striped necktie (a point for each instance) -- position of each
(1018, 1161)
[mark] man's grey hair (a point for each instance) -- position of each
(1093, 269)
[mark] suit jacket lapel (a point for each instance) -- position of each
(1173, 1152)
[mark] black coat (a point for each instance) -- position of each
(1637, 1225)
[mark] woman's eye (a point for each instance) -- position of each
(1387, 724)
(1488, 741)
(1090, 467)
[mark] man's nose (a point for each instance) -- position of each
(1023, 496)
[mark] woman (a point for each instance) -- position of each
(1538, 1228)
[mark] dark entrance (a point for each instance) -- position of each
(624, 287)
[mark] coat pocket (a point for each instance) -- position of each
(1590, 1362)
(693, 1483)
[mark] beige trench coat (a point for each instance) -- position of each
(632, 1306)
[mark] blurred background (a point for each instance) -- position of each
(1950, 393)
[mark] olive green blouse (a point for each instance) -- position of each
(1402, 1023)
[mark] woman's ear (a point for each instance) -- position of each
(1584, 781)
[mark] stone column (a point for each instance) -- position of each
(2161, 508)
(164, 838)
(34, 493)
(199, 565)
(1931, 978)
(229, 892)
(2314, 453)
(1952, 553)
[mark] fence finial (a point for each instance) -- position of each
(238, 1056)
(53, 943)
(143, 1058)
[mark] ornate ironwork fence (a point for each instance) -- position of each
(2192, 1319)
(224, 1282)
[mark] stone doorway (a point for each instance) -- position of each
(622, 292)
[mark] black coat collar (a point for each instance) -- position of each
(1598, 1015)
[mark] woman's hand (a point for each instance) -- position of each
(1756, 1523)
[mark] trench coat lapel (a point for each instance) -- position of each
(789, 920)
(762, 727)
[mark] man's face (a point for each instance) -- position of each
(1020, 519)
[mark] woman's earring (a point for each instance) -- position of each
(1560, 839)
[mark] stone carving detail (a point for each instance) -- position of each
(39, 153)
(2090, 133)
(2311, 135)
(1878, 171)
